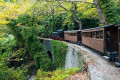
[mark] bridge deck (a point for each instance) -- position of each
(44, 38)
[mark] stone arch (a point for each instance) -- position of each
(50, 55)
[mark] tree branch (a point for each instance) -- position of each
(71, 1)
(74, 13)
(74, 16)
(82, 2)
(60, 4)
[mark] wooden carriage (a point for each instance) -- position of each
(73, 36)
(103, 39)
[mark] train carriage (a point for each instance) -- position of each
(103, 39)
(73, 36)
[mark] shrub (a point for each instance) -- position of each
(16, 74)
(43, 61)
(12, 73)
(58, 74)
(59, 52)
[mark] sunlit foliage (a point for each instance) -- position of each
(59, 74)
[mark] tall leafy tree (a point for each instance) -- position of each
(111, 10)
(100, 12)
(74, 8)
(98, 7)
(11, 9)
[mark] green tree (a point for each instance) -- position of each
(111, 10)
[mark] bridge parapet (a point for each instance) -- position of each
(48, 46)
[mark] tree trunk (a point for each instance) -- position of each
(46, 28)
(80, 26)
(75, 17)
(74, 13)
(76, 20)
(100, 13)
(53, 21)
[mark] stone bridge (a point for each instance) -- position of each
(71, 54)
(48, 46)
(96, 64)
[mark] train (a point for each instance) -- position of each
(105, 39)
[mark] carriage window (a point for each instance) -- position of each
(108, 33)
(101, 34)
(72, 34)
(75, 34)
(87, 34)
(84, 34)
(66, 34)
(90, 34)
(97, 34)
(93, 34)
